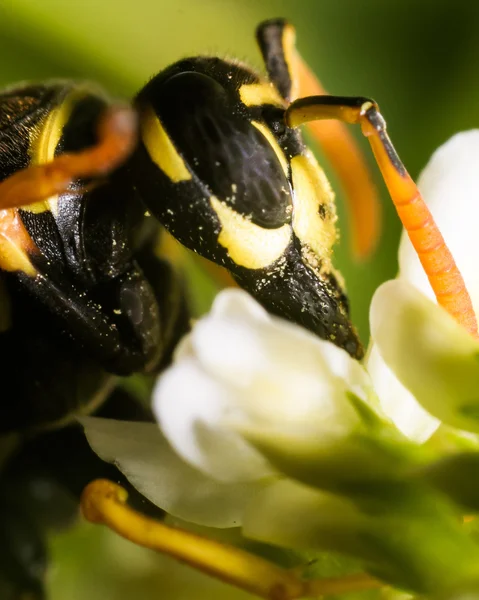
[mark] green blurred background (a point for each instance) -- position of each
(418, 58)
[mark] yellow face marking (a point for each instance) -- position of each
(15, 244)
(161, 149)
(310, 190)
(274, 145)
(249, 245)
(288, 43)
(257, 94)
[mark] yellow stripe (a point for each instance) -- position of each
(312, 189)
(257, 94)
(14, 258)
(161, 149)
(15, 244)
(274, 145)
(249, 245)
(42, 148)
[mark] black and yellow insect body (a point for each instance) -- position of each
(216, 163)
(83, 296)
(87, 297)
(219, 162)
(220, 169)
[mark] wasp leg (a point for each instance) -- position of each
(116, 139)
(294, 79)
(170, 291)
(435, 257)
(104, 502)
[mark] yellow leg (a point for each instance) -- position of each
(105, 502)
(346, 158)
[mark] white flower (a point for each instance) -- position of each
(143, 454)
(241, 370)
(255, 409)
(431, 362)
(241, 380)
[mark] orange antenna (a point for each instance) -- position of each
(346, 158)
(117, 136)
(436, 258)
(294, 79)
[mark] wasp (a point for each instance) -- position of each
(209, 150)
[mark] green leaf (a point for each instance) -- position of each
(457, 476)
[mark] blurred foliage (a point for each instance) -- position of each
(417, 58)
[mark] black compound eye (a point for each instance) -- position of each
(229, 153)
(195, 96)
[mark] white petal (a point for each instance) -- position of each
(301, 393)
(450, 186)
(191, 409)
(233, 303)
(239, 341)
(246, 376)
(230, 350)
(397, 402)
(293, 348)
(227, 342)
(233, 307)
(431, 354)
(144, 456)
(302, 412)
(272, 377)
